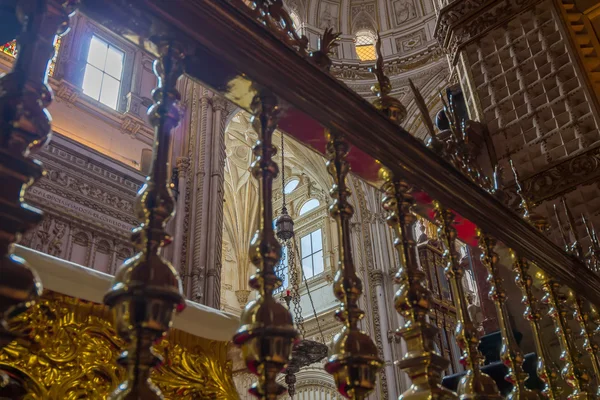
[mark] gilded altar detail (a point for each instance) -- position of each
(69, 350)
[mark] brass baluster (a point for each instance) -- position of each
(25, 128)
(587, 332)
(573, 372)
(413, 300)
(475, 384)
(510, 353)
(354, 360)
(146, 289)
(267, 333)
(423, 364)
(546, 369)
(579, 313)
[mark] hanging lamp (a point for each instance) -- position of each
(305, 351)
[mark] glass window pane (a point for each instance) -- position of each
(92, 81)
(114, 62)
(110, 91)
(307, 267)
(309, 205)
(291, 185)
(317, 240)
(305, 249)
(97, 53)
(318, 263)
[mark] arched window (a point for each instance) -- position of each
(291, 186)
(309, 206)
(365, 46)
(311, 251)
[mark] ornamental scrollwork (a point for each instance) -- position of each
(68, 350)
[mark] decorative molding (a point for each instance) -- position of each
(463, 21)
(558, 179)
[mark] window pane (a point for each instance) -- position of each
(97, 53)
(317, 241)
(305, 249)
(114, 62)
(92, 81)
(110, 91)
(307, 267)
(291, 185)
(318, 263)
(309, 205)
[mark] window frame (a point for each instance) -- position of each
(80, 39)
(109, 44)
(312, 253)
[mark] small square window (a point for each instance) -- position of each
(103, 72)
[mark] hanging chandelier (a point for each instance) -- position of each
(305, 351)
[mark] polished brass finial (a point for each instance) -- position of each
(390, 106)
(354, 360)
(25, 128)
(146, 289)
(267, 333)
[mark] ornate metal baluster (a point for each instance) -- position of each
(24, 129)
(267, 333)
(354, 361)
(546, 369)
(146, 289)
(510, 353)
(587, 332)
(475, 384)
(573, 371)
(413, 299)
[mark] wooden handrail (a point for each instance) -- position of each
(231, 47)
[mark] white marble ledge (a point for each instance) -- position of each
(77, 281)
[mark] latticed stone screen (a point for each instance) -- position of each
(530, 91)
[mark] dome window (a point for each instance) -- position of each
(365, 46)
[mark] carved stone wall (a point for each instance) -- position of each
(88, 202)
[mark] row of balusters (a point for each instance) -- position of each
(143, 305)
(354, 361)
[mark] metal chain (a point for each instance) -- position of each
(308, 293)
(282, 175)
(279, 272)
(295, 288)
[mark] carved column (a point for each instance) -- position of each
(199, 250)
(376, 278)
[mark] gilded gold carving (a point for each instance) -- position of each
(70, 351)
